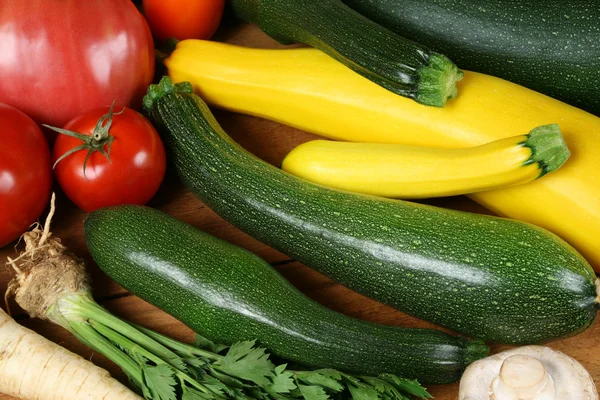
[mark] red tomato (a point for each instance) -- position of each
(183, 19)
(132, 175)
(25, 173)
(59, 59)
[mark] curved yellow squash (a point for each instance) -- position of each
(309, 90)
(414, 172)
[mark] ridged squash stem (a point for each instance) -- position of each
(391, 61)
(411, 172)
(548, 148)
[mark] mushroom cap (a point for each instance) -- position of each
(527, 373)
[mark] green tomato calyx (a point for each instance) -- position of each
(99, 141)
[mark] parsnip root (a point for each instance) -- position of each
(34, 368)
(31, 366)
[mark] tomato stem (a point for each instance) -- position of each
(96, 142)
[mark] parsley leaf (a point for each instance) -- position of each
(159, 382)
(193, 394)
(230, 381)
(245, 361)
(361, 391)
(407, 385)
(283, 382)
(327, 378)
(385, 389)
(313, 392)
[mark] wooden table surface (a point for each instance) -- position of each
(270, 141)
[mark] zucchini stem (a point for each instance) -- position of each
(548, 148)
(437, 81)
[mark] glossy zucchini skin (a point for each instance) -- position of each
(229, 294)
(491, 278)
(551, 46)
(402, 66)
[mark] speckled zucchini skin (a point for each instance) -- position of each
(229, 294)
(495, 279)
(551, 46)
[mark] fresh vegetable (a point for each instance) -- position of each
(401, 171)
(542, 45)
(183, 19)
(306, 89)
(229, 294)
(104, 158)
(59, 59)
(532, 373)
(52, 284)
(34, 368)
(399, 65)
(25, 173)
(490, 278)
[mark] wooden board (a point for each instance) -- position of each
(270, 141)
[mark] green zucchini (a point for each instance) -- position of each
(229, 294)
(399, 65)
(491, 278)
(551, 46)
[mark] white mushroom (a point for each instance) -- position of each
(527, 373)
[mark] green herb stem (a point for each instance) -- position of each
(86, 307)
(90, 337)
(136, 351)
(181, 348)
(161, 367)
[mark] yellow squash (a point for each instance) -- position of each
(309, 90)
(416, 172)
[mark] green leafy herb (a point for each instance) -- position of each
(327, 378)
(313, 392)
(160, 383)
(162, 368)
(282, 381)
(362, 391)
(247, 362)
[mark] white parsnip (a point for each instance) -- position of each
(34, 368)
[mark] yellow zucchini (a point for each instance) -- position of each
(309, 90)
(415, 172)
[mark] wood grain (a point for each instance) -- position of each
(270, 141)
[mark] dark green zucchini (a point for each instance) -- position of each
(491, 278)
(551, 46)
(229, 294)
(399, 65)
